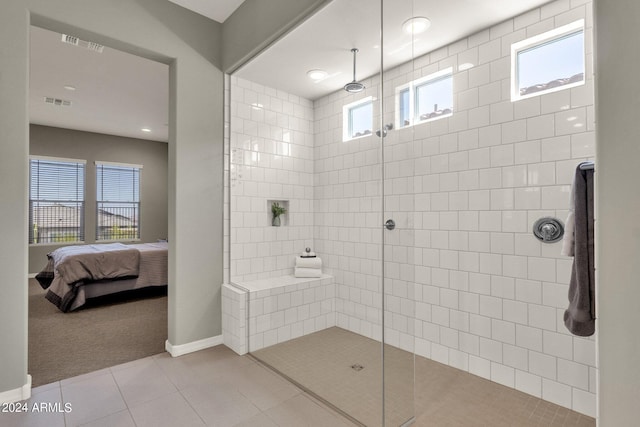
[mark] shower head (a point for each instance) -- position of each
(354, 86)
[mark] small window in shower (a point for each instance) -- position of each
(403, 108)
(357, 119)
(425, 99)
(434, 98)
(548, 62)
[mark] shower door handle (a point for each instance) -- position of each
(390, 224)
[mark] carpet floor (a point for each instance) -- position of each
(108, 331)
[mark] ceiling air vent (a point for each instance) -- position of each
(85, 44)
(70, 39)
(95, 47)
(57, 101)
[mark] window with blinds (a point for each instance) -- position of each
(56, 200)
(118, 201)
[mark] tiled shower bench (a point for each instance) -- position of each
(264, 312)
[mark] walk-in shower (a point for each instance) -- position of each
(418, 194)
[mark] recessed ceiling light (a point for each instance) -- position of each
(317, 74)
(69, 87)
(145, 130)
(416, 25)
(465, 66)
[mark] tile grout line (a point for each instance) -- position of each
(304, 390)
(62, 399)
(191, 406)
(251, 403)
(122, 397)
(179, 391)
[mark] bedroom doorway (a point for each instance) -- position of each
(106, 110)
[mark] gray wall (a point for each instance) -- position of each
(192, 46)
(258, 23)
(72, 144)
(158, 30)
(618, 210)
(14, 150)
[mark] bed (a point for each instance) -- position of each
(74, 274)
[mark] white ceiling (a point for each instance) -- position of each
(218, 10)
(116, 93)
(119, 94)
(325, 40)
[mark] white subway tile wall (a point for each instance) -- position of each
(487, 296)
(284, 308)
(271, 158)
(263, 312)
(226, 247)
(234, 318)
(466, 282)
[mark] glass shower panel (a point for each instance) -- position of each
(398, 106)
(288, 145)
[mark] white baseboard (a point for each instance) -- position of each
(180, 349)
(17, 394)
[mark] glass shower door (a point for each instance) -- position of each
(399, 190)
(340, 167)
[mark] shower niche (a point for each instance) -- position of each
(274, 218)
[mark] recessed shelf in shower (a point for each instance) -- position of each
(284, 218)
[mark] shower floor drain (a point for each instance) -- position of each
(357, 367)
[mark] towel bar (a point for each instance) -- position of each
(587, 166)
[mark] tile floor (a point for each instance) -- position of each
(213, 387)
(322, 362)
(216, 387)
(444, 396)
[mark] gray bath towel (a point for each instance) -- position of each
(579, 318)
